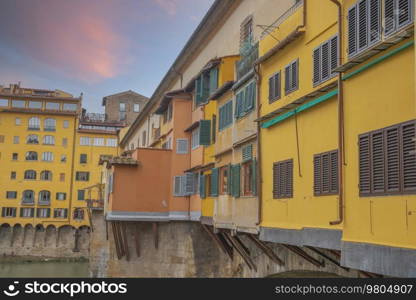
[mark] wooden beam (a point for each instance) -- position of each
(220, 243)
(126, 244)
(136, 238)
(266, 250)
(156, 234)
(244, 255)
(305, 256)
(327, 257)
(116, 243)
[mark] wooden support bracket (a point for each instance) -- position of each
(136, 238)
(266, 250)
(156, 234)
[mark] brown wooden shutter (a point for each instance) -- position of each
(275, 180)
(334, 172)
(364, 164)
(317, 174)
(409, 156)
(377, 162)
(271, 89)
(325, 173)
(289, 170)
(392, 160)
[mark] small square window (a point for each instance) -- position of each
(66, 124)
(15, 140)
(18, 121)
(136, 107)
(13, 175)
(15, 156)
(83, 158)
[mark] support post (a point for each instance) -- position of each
(126, 244)
(156, 234)
(136, 238)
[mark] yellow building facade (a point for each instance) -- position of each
(40, 132)
(336, 160)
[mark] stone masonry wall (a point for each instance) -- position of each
(47, 242)
(186, 250)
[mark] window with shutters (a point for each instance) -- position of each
(283, 179)
(182, 146)
(82, 176)
(397, 14)
(226, 115)
(47, 156)
(224, 180)
(195, 138)
(247, 152)
(235, 177)
(208, 185)
(325, 173)
(247, 178)
(28, 197)
(43, 212)
(15, 156)
(11, 195)
(325, 60)
(44, 198)
(46, 175)
(49, 140)
(245, 100)
(60, 196)
(387, 161)
(274, 87)
(27, 212)
(8, 212)
(60, 213)
(214, 129)
(78, 214)
(49, 124)
(34, 123)
(205, 132)
(30, 175)
(292, 77)
(81, 195)
(13, 175)
(83, 158)
(205, 85)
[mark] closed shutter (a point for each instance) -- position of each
(393, 160)
(239, 105)
(405, 12)
(409, 156)
(334, 54)
(214, 182)
(275, 181)
(198, 90)
(205, 87)
(325, 173)
(213, 80)
(251, 96)
(202, 192)
(317, 174)
(352, 30)
(295, 75)
(377, 162)
(325, 61)
(48, 213)
(362, 25)
(334, 172)
(221, 120)
(364, 164)
(283, 179)
(247, 153)
(289, 180)
(214, 129)
(229, 112)
(254, 177)
(375, 20)
(235, 177)
(389, 18)
(205, 132)
(3, 211)
(65, 212)
(317, 65)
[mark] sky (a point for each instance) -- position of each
(94, 47)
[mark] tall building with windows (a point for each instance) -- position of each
(49, 150)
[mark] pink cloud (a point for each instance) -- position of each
(80, 43)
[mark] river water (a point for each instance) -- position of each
(51, 269)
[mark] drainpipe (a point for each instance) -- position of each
(340, 122)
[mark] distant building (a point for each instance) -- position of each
(124, 106)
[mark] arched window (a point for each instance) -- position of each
(49, 140)
(47, 156)
(32, 139)
(28, 197)
(30, 174)
(49, 125)
(34, 123)
(31, 155)
(44, 197)
(46, 175)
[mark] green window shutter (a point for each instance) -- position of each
(205, 132)
(239, 105)
(214, 182)
(202, 193)
(221, 121)
(214, 129)
(247, 152)
(198, 91)
(205, 87)
(229, 179)
(213, 80)
(236, 181)
(254, 177)
(252, 95)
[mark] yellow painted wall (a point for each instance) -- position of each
(317, 127)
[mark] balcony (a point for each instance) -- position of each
(249, 53)
(28, 201)
(44, 202)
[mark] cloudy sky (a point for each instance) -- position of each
(98, 47)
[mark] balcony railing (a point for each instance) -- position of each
(94, 117)
(245, 64)
(44, 202)
(28, 201)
